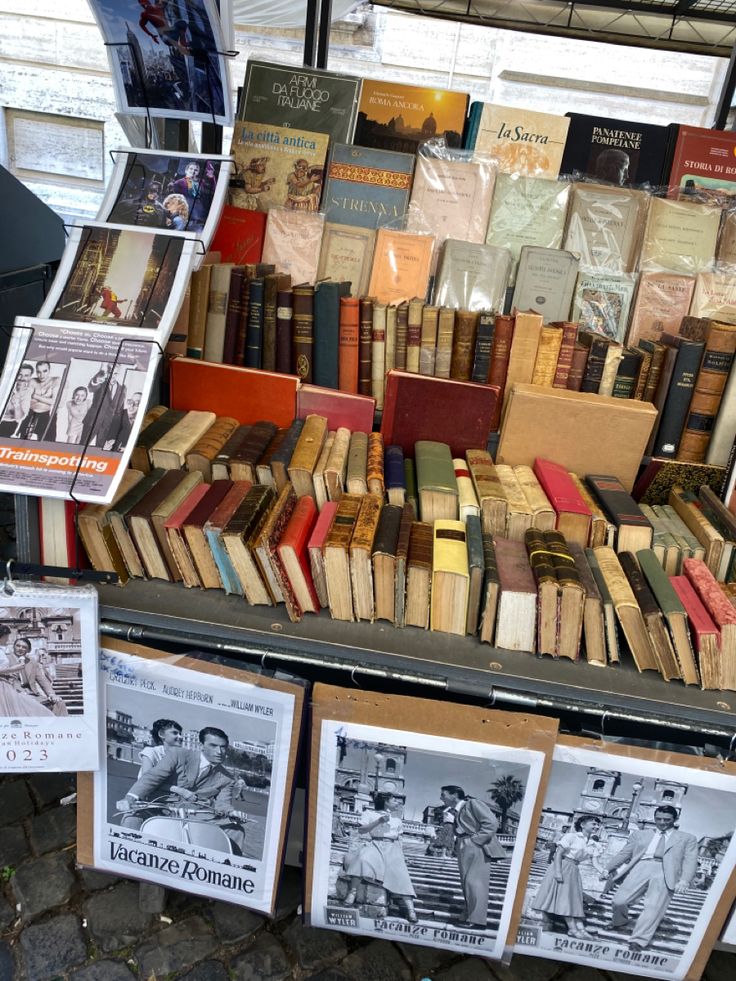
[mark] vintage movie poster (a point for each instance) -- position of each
(631, 861)
(420, 838)
(72, 400)
(167, 58)
(123, 277)
(48, 678)
(169, 191)
(196, 778)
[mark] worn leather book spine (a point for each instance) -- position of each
(374, 465)
(282, 457)
(428, 346)
(303, 331)
(243, 462)
(610, 368)
(336, 466)
(361, 548)
(483, 346)
(265, 546)
(170, 451)
(500, 352)
(643, 374)
(365, 333)
(386, 539)
(709, 385)
(148, 437)
(627, 374)
(548, 350)
(214, 336)
(561, 558)
(597, 351)
(254, 334)
(564, 358)
(414, 333)
(272, 284)
(205, 450)
(402, 550)
(402, 329)
(378, 353)
(463, 344)
(198, 304)
(348, 344)
(220, 465)
(390, 353)
(241, 337)
(232, 316)
(657, 352)
(445, 336)
(577, 367)
(357, 466)
(679, 394)
(420, 546)
(284, 318)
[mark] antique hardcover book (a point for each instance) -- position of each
(385, 544)
(601, 529)
(609, 612)
(704, 632)
(219, 291)
(523, 353)
(169, 452)
(150, 435)
(245, 457)
(545, 282)
(414, 332)
(548, 593)
(265, 543)
(175, 534)
(673, 612)
(306, 454)
(450, 578)
(489, 491)
(293, 554)
(139, 519)
(336, 557)
(689, 508)
(300, 98)
(601, 303)
(274, 284)
(633, 528)
(628, 373)
(604, 226)
(567, 347)
(237, 537)
(523, 141)
(573, 515)
(543, 514)
(336, 465)
(627, 609)
(483, 346)
(594, 626)
(348, 344)
(445, 339)
(662, 300)
(467, 500)
(302, 338)
(710, 383)
(652, 615)
(215, 525)
(527, 211)
(163, 511)
(325, 354)
(346, 255)
(393, 465)
(193, 530)
(418, 575)
(254, 318)
(689, 355)
(367, 187)
(318, 476)
(472, 276)
(356, 475)
(374, 465)
(476, 571)
(519, 514)
(548, 351)
(378, 354)
(316, 559)
(597, 346)
(491, 589)
(281, 458)
(516, 619)
(500, 351)
(408, 515)
(464, 338)
(205, 450)
(94, 530)
(284, 330)
(572, 596)
(400, 266)
(277, 166)
(680, 236)
(365, 335)
(618, 151)
(578, 364)
(239, 236)
(395, 116)
(292, 243)
(436, 484)
(361, 549)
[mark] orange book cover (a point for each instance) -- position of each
(401, 266)
(246, 394)
(348, 344)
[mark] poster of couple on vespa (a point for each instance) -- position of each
(193, 788)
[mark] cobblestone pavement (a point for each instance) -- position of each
(61, 922)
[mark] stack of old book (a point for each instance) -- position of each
(531, 559)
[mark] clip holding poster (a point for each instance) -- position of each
(48, 678)
(411, 836)
(196, 778)
(634, 860)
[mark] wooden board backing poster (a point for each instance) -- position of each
(197, 778)
(633, 867)
(420, 837)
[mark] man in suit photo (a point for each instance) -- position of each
(657, 864)
(194, 777)
(476, 846)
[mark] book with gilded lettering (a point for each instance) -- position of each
(366, 187)
(401, 266)
(301, 98)
(523, 141)
(618, 151)
(277, 166)
(347, 255)
(395, 116)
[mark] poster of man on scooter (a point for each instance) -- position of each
(194, 781)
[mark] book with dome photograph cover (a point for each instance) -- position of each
(197, 774)
(48, 678)
(633, 867)
(395, 116)
(418, 837)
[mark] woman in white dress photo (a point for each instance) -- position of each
(166, 734)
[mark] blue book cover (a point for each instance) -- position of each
(366, 187)
(229, 577)
(326, 331)
(254, 335)
(393, 468)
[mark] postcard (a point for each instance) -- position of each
(72, 400)
(415, 837)
(48, 678)
(123, 277)
(632, 860)
(197, 774)
(167, 59)
(169, 191)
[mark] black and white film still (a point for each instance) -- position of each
(631, 860)
(420, 838)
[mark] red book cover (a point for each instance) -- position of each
(177, 519)
(229, 504)
(314, 546)
(559, 487)
(703, 164)
(295, 541)
(354, 412)
(239, 236)
(707, 588)
(246, 394)
(415, 408)
(348, 344)
(701, 621)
